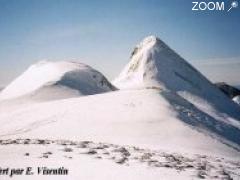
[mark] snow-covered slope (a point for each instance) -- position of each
(57, 80)
(171, 118)
(171, 133)
(147, 118)
(154, 65)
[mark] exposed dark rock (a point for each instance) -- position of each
(230, 91)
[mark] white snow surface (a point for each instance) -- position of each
(155, 120)
(91, 160)
(236, 99)
(147, 118)
(54, 80)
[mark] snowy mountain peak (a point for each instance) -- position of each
(153, 64)
(149, 40)
(57, 80)
(148, 43)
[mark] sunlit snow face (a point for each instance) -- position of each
(234, 4)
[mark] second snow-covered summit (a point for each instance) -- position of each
(57, 80)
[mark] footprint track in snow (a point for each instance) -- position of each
(203, 166)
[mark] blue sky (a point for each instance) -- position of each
(103, 34)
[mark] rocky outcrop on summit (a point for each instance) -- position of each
(230, 91)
